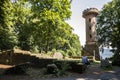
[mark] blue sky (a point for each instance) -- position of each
(76, 20)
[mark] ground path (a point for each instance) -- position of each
(94, 72)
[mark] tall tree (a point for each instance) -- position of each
(8, 39)
(22, 25)
(109, 27)
(49, 26)
(49, 16)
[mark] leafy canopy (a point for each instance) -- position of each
(39, 25)
(108, 26)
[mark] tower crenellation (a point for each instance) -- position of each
(89, 11)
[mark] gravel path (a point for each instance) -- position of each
(94, 72)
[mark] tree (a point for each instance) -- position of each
(22, 26)
(49, 26)
(39, 25)
(47, 20)
(8, 39)
(108, 27)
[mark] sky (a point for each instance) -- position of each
(77, 21)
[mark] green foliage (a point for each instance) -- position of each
(8, 39)
(49, 23)
(116, 60)
(51, 30)
(22, 28)
(65, 65)
(63, 70)
(108, 26)
(38, 25)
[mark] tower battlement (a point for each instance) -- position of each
(90, 11)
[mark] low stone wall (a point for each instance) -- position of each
(5, 56)
(15, 58)
(10, 57)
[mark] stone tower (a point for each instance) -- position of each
(91, 35)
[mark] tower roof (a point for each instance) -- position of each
(89, 11)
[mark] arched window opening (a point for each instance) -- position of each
(90, 36)
(89, 19)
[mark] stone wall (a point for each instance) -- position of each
(14, 58)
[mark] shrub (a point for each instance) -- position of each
(116, 60)
(63, 69)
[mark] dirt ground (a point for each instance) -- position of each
(93, 72)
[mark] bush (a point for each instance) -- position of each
(116, 60)
(63, 69)
(65, 65)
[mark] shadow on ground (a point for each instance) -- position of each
(94, 72)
